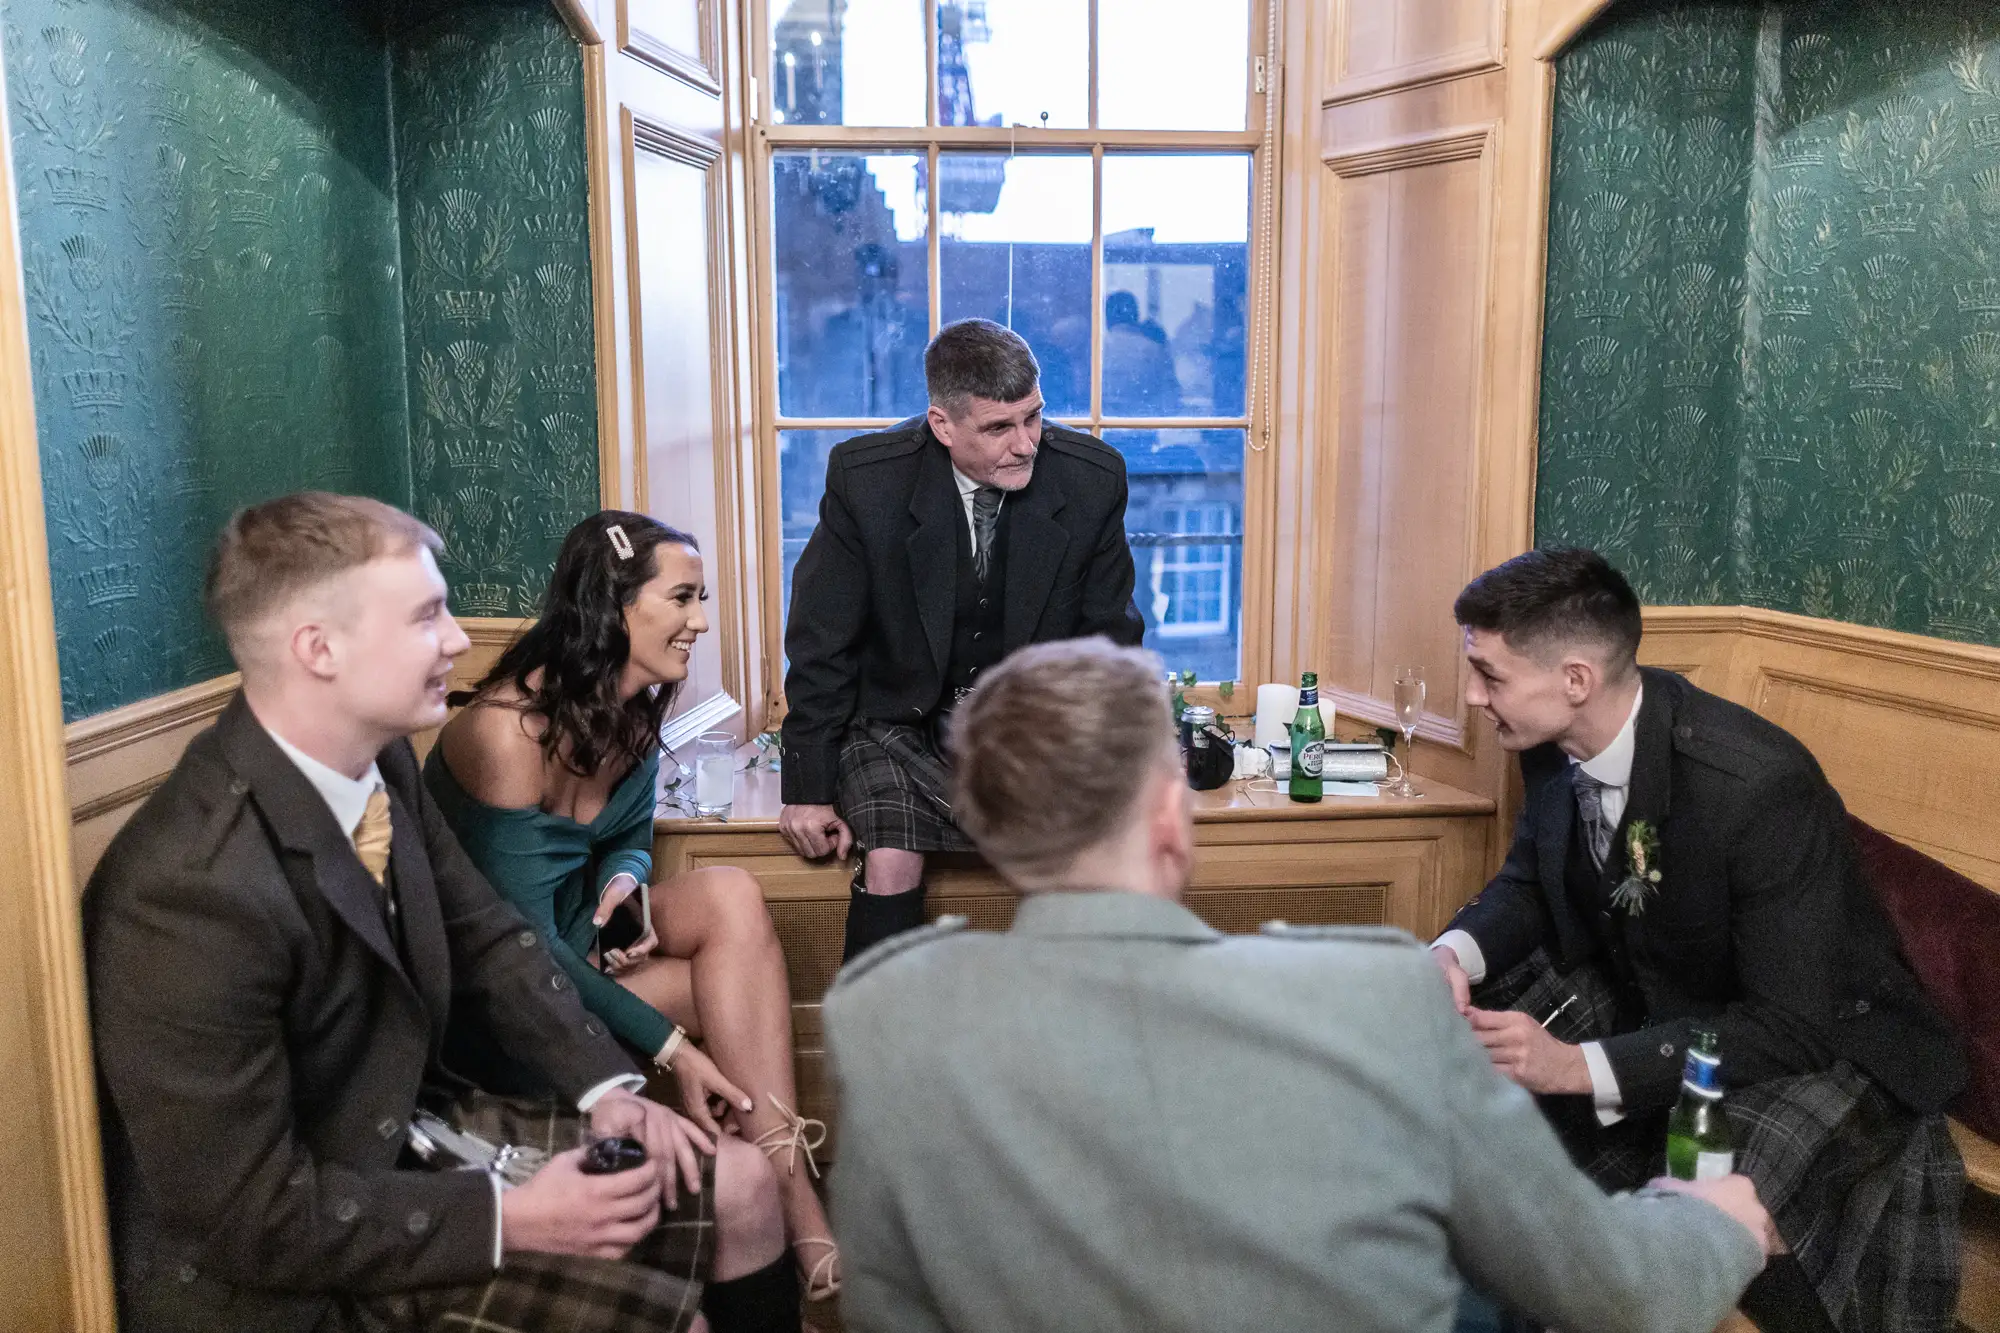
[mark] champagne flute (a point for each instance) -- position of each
(1409, 710)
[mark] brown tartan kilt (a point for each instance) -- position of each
(654, 1289)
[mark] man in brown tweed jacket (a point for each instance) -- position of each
(275, 943)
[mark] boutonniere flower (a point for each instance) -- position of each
(1642, 869)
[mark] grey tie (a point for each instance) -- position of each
(1590, 804)
(985, 510)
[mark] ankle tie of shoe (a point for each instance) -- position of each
(798, 1134)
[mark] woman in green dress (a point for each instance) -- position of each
(548, 776)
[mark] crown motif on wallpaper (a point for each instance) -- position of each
(1585, 446)
(465, 309)
(196, 476)
(1711, 76)
(1955, 617)
(1698, 232)
(1891, 219)
(1798, 151)
(1610, 157)
(567, 380)
(486, 599)
(549, 226)
(479, 453)
(1978, 296)
(1984, 131)
(1791, 302)
(96, 388)
(550, 71)
(74, 187)
(111, 583)
(458, 155)
(1778, 446)
(252, 208)
(326, 300)
(182, 290)
(1873, 374)
(1974, 456)
(1686, 373)
(1601, 303)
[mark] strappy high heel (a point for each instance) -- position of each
(800, 1134)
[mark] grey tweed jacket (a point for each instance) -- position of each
(1112, 1117)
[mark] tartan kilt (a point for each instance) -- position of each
(656, 1288)
(1864, 1192)
(895, 789)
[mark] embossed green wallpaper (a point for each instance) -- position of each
(496, 244)
(271, 244)
(1772, 364)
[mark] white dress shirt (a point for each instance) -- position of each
(1611, 768)
(347, 798)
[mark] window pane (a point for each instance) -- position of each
(853, 284)
(801, 483)
(1009, 62)
(1176, 254)
(1185, 523)
(1173, 64)
(1014, 247)
(847, 62)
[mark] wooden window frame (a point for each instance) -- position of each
(1258, 140)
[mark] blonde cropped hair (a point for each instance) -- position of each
(1051, 752)
(270, 553)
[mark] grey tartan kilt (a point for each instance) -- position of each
(895, 789)
(1865, 1193)
(654, 1289)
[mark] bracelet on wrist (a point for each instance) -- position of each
(665, 1059)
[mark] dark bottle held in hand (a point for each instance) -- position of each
(608, 1155)
(1698, 1142)
(1308, 742)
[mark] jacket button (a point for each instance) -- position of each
(916, 712)
(237, 787)
(558, 981)
(417, 1223)
(591, 1026)
(982, 604)
(1684, 731)
(526, 939)
(977, 635)
(1861, 1007)
(186, 1274)
(1666, 1048)
(346, 1210)
(387, 1129)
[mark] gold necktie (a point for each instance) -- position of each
(371, 838)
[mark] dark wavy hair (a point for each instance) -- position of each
(579, 645)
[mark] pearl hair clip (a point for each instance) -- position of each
(619, 541)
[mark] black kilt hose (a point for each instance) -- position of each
(656, 1288)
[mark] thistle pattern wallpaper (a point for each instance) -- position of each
(251, 267)
(1772, 367)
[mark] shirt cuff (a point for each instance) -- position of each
(1603, 1084)
(1470, 957)
(498, 1189)
(633, 1083)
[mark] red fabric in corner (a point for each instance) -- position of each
(1950, 930)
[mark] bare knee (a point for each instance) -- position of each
(892, 870)
(750, 1223)
(735, 901)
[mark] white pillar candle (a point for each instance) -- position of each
(1277, 705)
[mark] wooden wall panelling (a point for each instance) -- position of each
(1379, 47)
(1907, 728)
(55, 1264)
(677, 37)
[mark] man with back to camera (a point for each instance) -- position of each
(943, 544)
(276, 943)
(1111, 1117)
(1680, 860)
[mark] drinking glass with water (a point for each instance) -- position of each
(714, 773)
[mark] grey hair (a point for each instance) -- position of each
(976, 358)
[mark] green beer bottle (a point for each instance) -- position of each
(1308, 741)
(1698, 1143)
